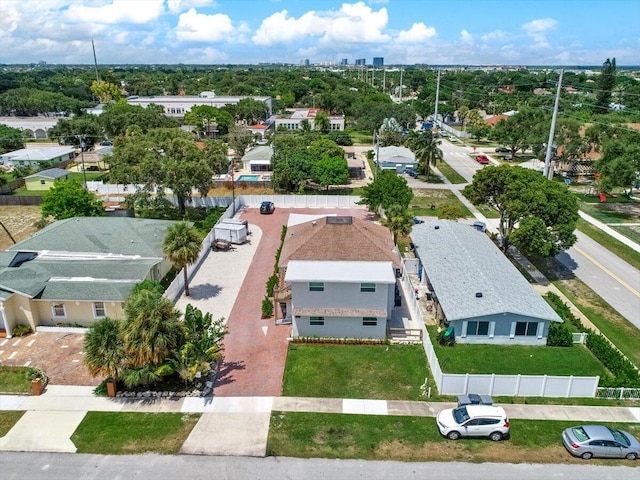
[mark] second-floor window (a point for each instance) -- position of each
(369, 321)
(317, 321)
(368, 287)
(316, 286)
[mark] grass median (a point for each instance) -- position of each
(371, 437)
(452, 175)
(120, 433)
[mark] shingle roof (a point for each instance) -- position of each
(52, 173)
(461, 261)
(38, 154)
(261, 152)
(116, 235)
(326, 240)
(396, 155)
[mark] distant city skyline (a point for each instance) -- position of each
(432, 32)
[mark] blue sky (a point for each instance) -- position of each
(475, 32)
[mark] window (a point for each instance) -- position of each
(526, 329)
(58, 310)
(368, 287)
(99, 310)
(318, 321)
(316, 286)
(43, 182)
(369, 322)
(477, 328)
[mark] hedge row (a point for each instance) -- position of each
(624, 372)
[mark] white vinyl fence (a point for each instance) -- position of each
(491, 384)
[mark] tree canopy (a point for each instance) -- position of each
(67, 198)
(537, 215)
(10, 139)
(387, 189)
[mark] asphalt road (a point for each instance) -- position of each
(58, 466)
(606, 274)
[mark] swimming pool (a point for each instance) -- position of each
(248, 178)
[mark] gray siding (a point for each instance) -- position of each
(339, 327)
(342, 295)
(501, 330)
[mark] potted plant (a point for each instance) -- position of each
(38, 380)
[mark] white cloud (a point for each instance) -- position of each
(537, 29)
(120, 11)
(466, 37)
(495, 35)
(177, 6)
(204, 55)
(198, 27)
(353, 23)
(418, 32)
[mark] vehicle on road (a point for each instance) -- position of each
(106, 143)
(417, 221)
(453, 139)
(473, 421)
(411, 172)
(482, 159)
(588, 441)
(503, 150)
(267, 207)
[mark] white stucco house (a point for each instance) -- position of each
(337, 277)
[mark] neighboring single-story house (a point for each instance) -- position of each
(78, 270)
(337, 277)
(294, 116)
(45, 179)
(395, 158)
(34, 157)
(476, 289)
(258, 159)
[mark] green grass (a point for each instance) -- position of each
(452, 175)
(614, 210)
(8, 418)
(487, 211)
(425, 198)
(370, 437)
(117, 433)
(361, 138)
(615, 246)
(624, 335)
(517, 359)
(91, 176)
(14, 380)
(23, 192)
(393, 372)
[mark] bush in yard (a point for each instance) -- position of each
(271, 284)
(21, 330)
(559, 335)
(623, 370)
(267, 307)
(445, 340)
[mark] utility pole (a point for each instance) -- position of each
(384, 79)
(95, 61)
(82, 147)
(401, 85)
(548, 172)
(435, 115)
(8, 232)
(373, 77)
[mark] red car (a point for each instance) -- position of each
(482, 158)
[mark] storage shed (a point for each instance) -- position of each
(234, 232)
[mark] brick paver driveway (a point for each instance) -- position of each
(255, 348)
(59, 354)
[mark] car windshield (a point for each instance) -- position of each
(619, 437)
(580, 434)
(460, 415)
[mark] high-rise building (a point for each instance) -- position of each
(378, 61)
(361, 62)
(344, 61)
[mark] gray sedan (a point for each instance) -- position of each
(589, 441)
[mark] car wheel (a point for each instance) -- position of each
(496, 436)
(631, 456)
(453, 435)
(586, 455)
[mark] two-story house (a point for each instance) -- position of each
(337, 278)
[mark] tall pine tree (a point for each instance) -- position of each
(605, 85)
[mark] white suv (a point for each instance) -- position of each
(473, 421)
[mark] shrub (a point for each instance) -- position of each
(267, 307)
(559, 335)
(271, 284)
(445, 340)
(148, 285)
(21, 330)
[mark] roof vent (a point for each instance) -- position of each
(478, 294)
(314, 223)
(437, 227)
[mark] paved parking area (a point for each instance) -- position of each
(59, 354)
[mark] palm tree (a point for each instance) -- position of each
(427, 150)
(182, 246)
(103, 352)
(152, 330)
(398, 220)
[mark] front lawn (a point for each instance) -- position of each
(8, 419)
(430, 202)
(371, 437)
(517, 359)
(389, 372)
(118, 433)
(14, 379)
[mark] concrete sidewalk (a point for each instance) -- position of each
(610, 231)
(235, 425)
